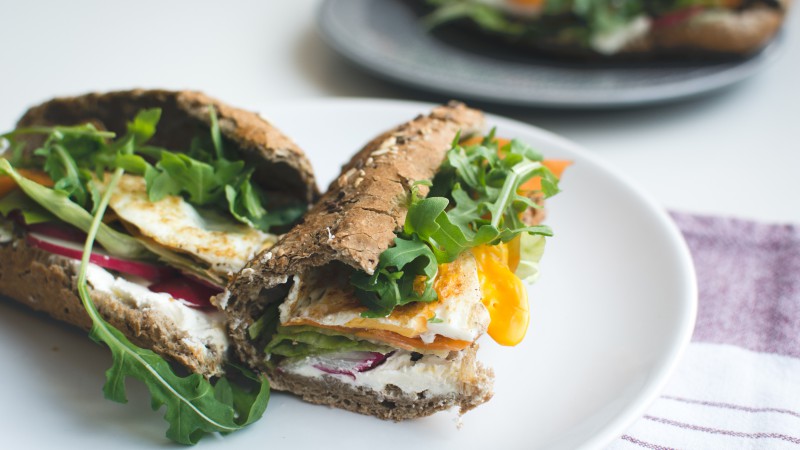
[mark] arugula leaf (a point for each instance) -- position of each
(476, 200)
(74, 156)
(405, 274)
(209, 178)
(194, 406)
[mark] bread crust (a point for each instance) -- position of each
(392, 403)
(722, 32)
(48, 283)
(280, 165)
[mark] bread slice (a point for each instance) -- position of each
(47, 282)
(351, 225)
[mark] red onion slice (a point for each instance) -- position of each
(348, 363)
(191, 292)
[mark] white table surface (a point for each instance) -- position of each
(734, 153)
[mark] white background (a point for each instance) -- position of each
(735, 153)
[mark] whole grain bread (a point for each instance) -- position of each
(352, 224)
(280, 165)
(354, 221)
(46, 282)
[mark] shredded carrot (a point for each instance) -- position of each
(557, 166)
(7, 184)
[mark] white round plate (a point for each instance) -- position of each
(386, 38)
(611, 314)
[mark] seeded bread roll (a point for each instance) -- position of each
(46, 282)
(355, 220)
(352, 224)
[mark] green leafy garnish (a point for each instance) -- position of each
(474, 199)
(194, 406)
(207, 176)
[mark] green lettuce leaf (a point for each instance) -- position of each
(59, 204)
(302, 341)
(32, 213)
(531, 249)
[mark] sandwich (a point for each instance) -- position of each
(179, 191)
(374, 303)
(622, 29)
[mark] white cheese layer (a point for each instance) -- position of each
(173, 223)
(202, 328)
(430, 374)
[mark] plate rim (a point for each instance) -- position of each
(739, 71)
(680, 339)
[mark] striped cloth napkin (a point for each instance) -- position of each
(738, 386)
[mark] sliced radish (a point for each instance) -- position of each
(348, 363)
(150, 272)
(191, 292)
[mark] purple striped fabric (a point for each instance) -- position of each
(749, 282)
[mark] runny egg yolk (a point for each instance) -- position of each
(504, 294)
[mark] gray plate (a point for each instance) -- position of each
(385, 38)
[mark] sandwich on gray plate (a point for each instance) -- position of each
(124, 213)
(374, 303)
(622, 28)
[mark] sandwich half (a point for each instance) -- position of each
(622, 29)
(375, 302)
(202, 188)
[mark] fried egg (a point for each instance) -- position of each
(222, 243)
(324, 298)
